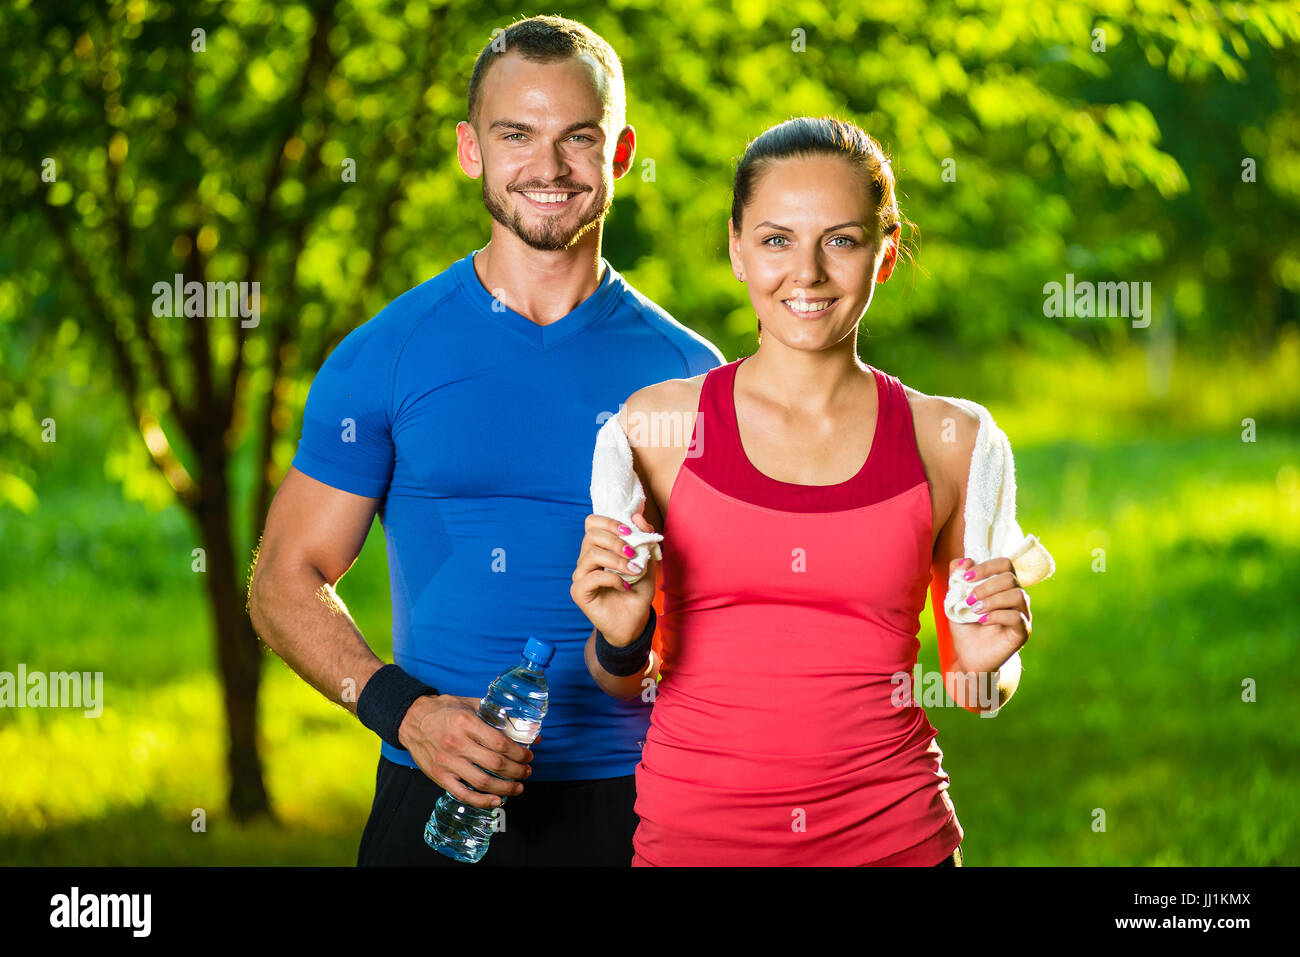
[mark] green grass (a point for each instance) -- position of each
(1131, 700)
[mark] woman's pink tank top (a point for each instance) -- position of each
(788, 611)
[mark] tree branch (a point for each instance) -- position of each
(200, 349)
(155, 440)
(93, 84)
(384, 224)
(319, 56)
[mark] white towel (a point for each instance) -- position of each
(616, 492)
(991, 527)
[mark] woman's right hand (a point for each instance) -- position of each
(620, 611)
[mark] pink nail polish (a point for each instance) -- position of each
(983, 618)
(971, 599)
(624, 530)
(629, 551)
(626, 586)
(969, 576)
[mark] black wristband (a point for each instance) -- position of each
(386, 698)
(629, 660)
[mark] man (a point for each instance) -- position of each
(465, 413)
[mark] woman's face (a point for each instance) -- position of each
(808, 252)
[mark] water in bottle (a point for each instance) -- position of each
(515, 705)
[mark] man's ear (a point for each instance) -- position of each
(624, 150)
(467, 150)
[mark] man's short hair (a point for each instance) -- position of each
(550, 39)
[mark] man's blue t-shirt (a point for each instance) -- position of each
(476, 428)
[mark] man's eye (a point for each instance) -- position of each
(510, 136)
(582, 136)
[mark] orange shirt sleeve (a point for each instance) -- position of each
(943, 630)
(657, 642)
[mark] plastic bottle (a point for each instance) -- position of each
(515, 704)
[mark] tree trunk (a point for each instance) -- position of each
(239, 654)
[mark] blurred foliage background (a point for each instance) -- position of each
(1154, 143)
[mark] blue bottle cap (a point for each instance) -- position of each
(538, 652)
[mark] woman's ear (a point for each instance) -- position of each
(733, 250)
(890, 258)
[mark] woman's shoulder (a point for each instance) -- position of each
(937, 408)
(671, 396)
(945, 432)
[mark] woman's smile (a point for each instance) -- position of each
(806, 307)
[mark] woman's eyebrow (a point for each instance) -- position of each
(787, 229)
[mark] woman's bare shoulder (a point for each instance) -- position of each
(671, 397)
(945, 432)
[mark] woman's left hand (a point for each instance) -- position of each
(1006, 622)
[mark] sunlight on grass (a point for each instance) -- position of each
(165, 748)
(1091, 398)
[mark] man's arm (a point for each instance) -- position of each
(314, 533)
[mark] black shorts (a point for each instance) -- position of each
(953, 859)
(553, 823)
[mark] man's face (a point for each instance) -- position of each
(545, 149)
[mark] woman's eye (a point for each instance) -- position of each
(848, 241)
(769, 241)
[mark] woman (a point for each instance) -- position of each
(802, 525)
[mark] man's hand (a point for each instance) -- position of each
(447, 739)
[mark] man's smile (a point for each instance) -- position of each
(547, 199)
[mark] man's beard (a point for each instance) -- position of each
(550, 235)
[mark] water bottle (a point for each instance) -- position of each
(515, 705)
